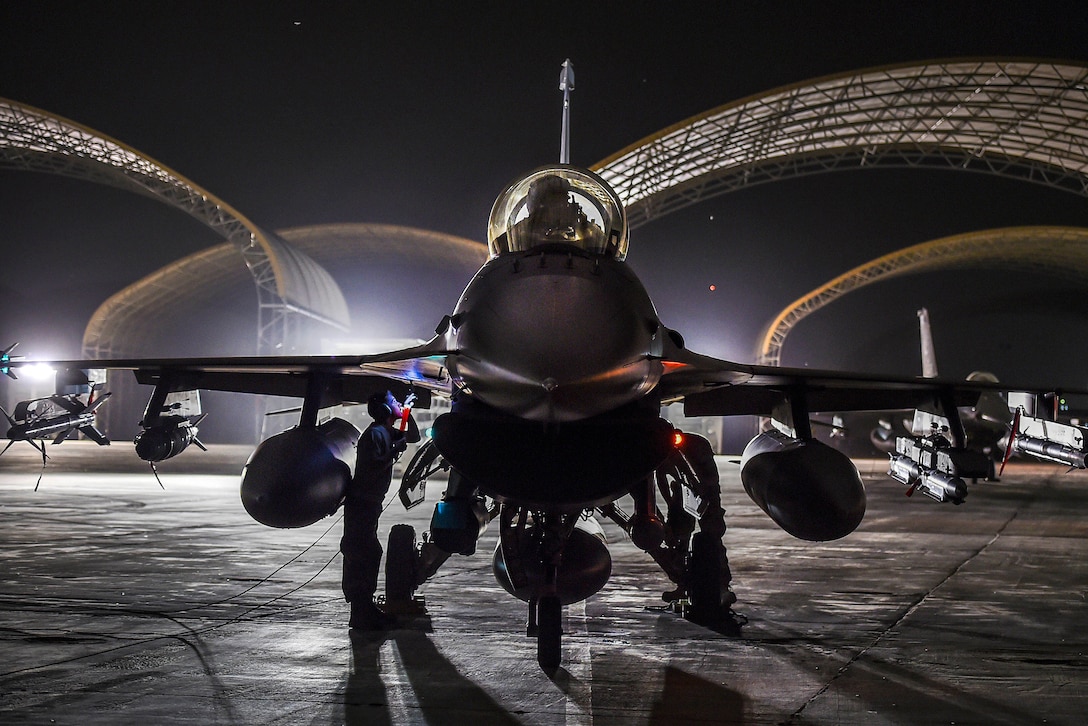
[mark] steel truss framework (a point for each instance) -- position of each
(1025, 119)
(290, 285)
(1058, 251)
(213, 269)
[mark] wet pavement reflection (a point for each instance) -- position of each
(123, 603)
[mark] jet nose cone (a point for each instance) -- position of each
(555, 342)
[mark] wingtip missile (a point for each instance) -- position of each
(1052, 451)
(5, 357)
(58, 417)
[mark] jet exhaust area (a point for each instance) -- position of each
(124, 603)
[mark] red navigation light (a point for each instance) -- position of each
(677, 438)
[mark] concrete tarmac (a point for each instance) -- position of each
(122, 603)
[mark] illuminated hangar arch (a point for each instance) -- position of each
(137, 314)
(290, 285)
(1021, 118)
(192, 306)
(1058, 251)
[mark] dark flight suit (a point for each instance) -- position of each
(700, 455)
(379, 447)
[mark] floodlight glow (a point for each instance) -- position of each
(38, 371)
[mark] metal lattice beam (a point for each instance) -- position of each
(1058, 251)
(289, 284)
(1025, 119)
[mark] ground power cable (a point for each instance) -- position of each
(196, 632)
(262, 581)
(189, 631)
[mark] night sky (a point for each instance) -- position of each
(308, 113)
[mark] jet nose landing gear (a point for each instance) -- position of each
(549, 635)
(549, 560)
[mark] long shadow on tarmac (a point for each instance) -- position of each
(687, 698)
(373, 694)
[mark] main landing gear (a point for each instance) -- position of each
(687, 487)
(551, 559)
(401, 566)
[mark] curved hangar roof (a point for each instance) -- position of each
(1023, 118)
(401, 270)
(1014, 117)
(36, 140)
(1058, 251)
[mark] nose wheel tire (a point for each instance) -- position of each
(704, 572)
(401, 559)
(549, 635)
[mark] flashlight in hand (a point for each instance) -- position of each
(406, 411)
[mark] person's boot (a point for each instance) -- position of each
(365, 615)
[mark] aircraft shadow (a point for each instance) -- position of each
(882, 683)
(684, 698)
(444, 696)
(687, 698)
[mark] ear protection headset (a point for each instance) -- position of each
(378, 407)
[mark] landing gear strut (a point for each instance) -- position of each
(529, 563)
(687, 486)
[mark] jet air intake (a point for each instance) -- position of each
(559, 469)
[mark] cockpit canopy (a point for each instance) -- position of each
(559, 205)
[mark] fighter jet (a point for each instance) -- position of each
(987, 422)
(994, 426)
(908, 435)
(556, 366)
(58, 417)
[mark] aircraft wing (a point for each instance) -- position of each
(713, 387)
(346, 378)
